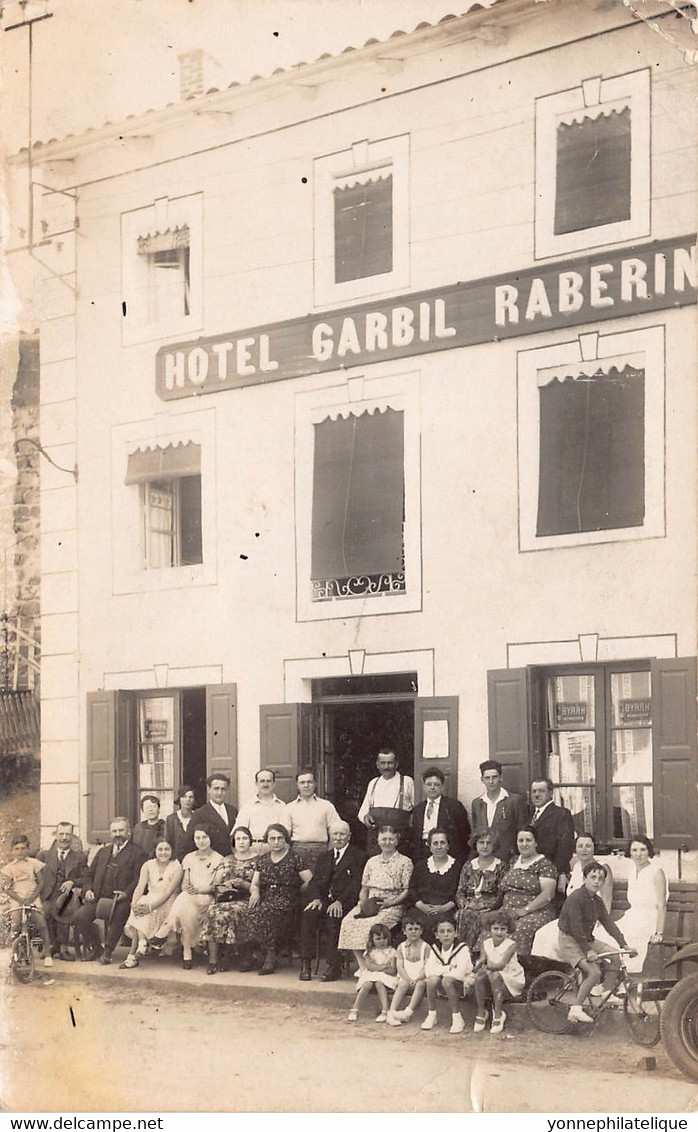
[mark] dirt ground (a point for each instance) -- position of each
(68, 1047)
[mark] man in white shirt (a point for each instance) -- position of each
(311, 818)
(389, 800)
(499, 810)
(262, 810)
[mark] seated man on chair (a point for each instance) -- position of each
(108, 885)
(333, 890)
(63, 867)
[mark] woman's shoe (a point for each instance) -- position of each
(187, 964)
(212, 969)
(498, 1023)
(269, 965)
(382, 1017)
(129, 963)
(480, 1023)
(352, 1015)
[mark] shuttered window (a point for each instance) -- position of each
(593, 171)
(363, 227)
(592, 452)
(358, 505)
(170, 479)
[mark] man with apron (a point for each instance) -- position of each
(389, 800)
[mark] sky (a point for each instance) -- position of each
(103, 59)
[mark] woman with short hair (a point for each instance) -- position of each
(273, 911)
(384, 891)
(479, 887)
(434, 882)
(178, 822)
(529, 890)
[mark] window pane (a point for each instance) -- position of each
(169, 284)
(190, 549)
(632, 811)
(156, 762)
(358, 505)
(592, 453)
(581, 803)
(363, 229)
(593, 172)
(631, 755)
(159, 524)
(631, 698)
(571, 701)
(572, 756)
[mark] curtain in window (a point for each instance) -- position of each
(593, 172)
(363, 229)
(358, 495)
(592, 452)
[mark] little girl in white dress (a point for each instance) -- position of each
(411, 957)
(380, 971)
(498, 970)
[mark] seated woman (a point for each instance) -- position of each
(232, 884)
(153, 897)
(151, 829)
(546, 943)
(189, 908)
(648, 890)
(272, 915)
(479, 888)
(434, 881)
(529, 890)
(384, 890)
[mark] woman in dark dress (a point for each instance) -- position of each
(178, 824)
(232, 883)
(272, 914)
(434, 882)
(479, 888)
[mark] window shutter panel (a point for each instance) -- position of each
(280, 744)
(221, 734)
(510, 725)
(101, 764)
(674, 750)
(437, 708)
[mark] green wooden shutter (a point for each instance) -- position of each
(221, 734)
(674, 750)
(101, 764)
(436, 709)
(511, 725)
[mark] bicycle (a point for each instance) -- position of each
(22, 961)
(551, 994)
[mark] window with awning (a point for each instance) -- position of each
(592, 451)
(363, 225)
(166, 255)
(593, 170)
(170, 482)
(358, 504)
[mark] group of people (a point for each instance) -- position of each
(428, 905)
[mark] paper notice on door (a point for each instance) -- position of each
(435, 742)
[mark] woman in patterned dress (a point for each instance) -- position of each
(529, 890)
(385, 883)
(231, 886)
(479, 888)
(271, 917)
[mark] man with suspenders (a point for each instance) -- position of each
(389, 800)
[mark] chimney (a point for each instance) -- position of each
(198, 73)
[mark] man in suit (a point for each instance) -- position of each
(107, 886)
(439, 810)
(63, 867)
(219, 815)
(554, 830)
(504, 813)
(333, 891)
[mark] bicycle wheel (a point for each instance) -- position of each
(549, 997)
(22, 962)
(642, 1017)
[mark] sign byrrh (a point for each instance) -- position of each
(651, 277)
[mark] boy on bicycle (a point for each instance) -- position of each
(580, 913)
(22, 887)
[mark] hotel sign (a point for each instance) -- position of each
(651, 277)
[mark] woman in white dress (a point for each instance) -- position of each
(648, 889)
(154, 895)
(545, 943)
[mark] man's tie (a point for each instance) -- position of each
(63, 854)
(430, 809)
(536, 814)
(336, 856)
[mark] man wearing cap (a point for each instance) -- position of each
(504, 813)
(333, 890)
(63, 867)
(259, 813)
